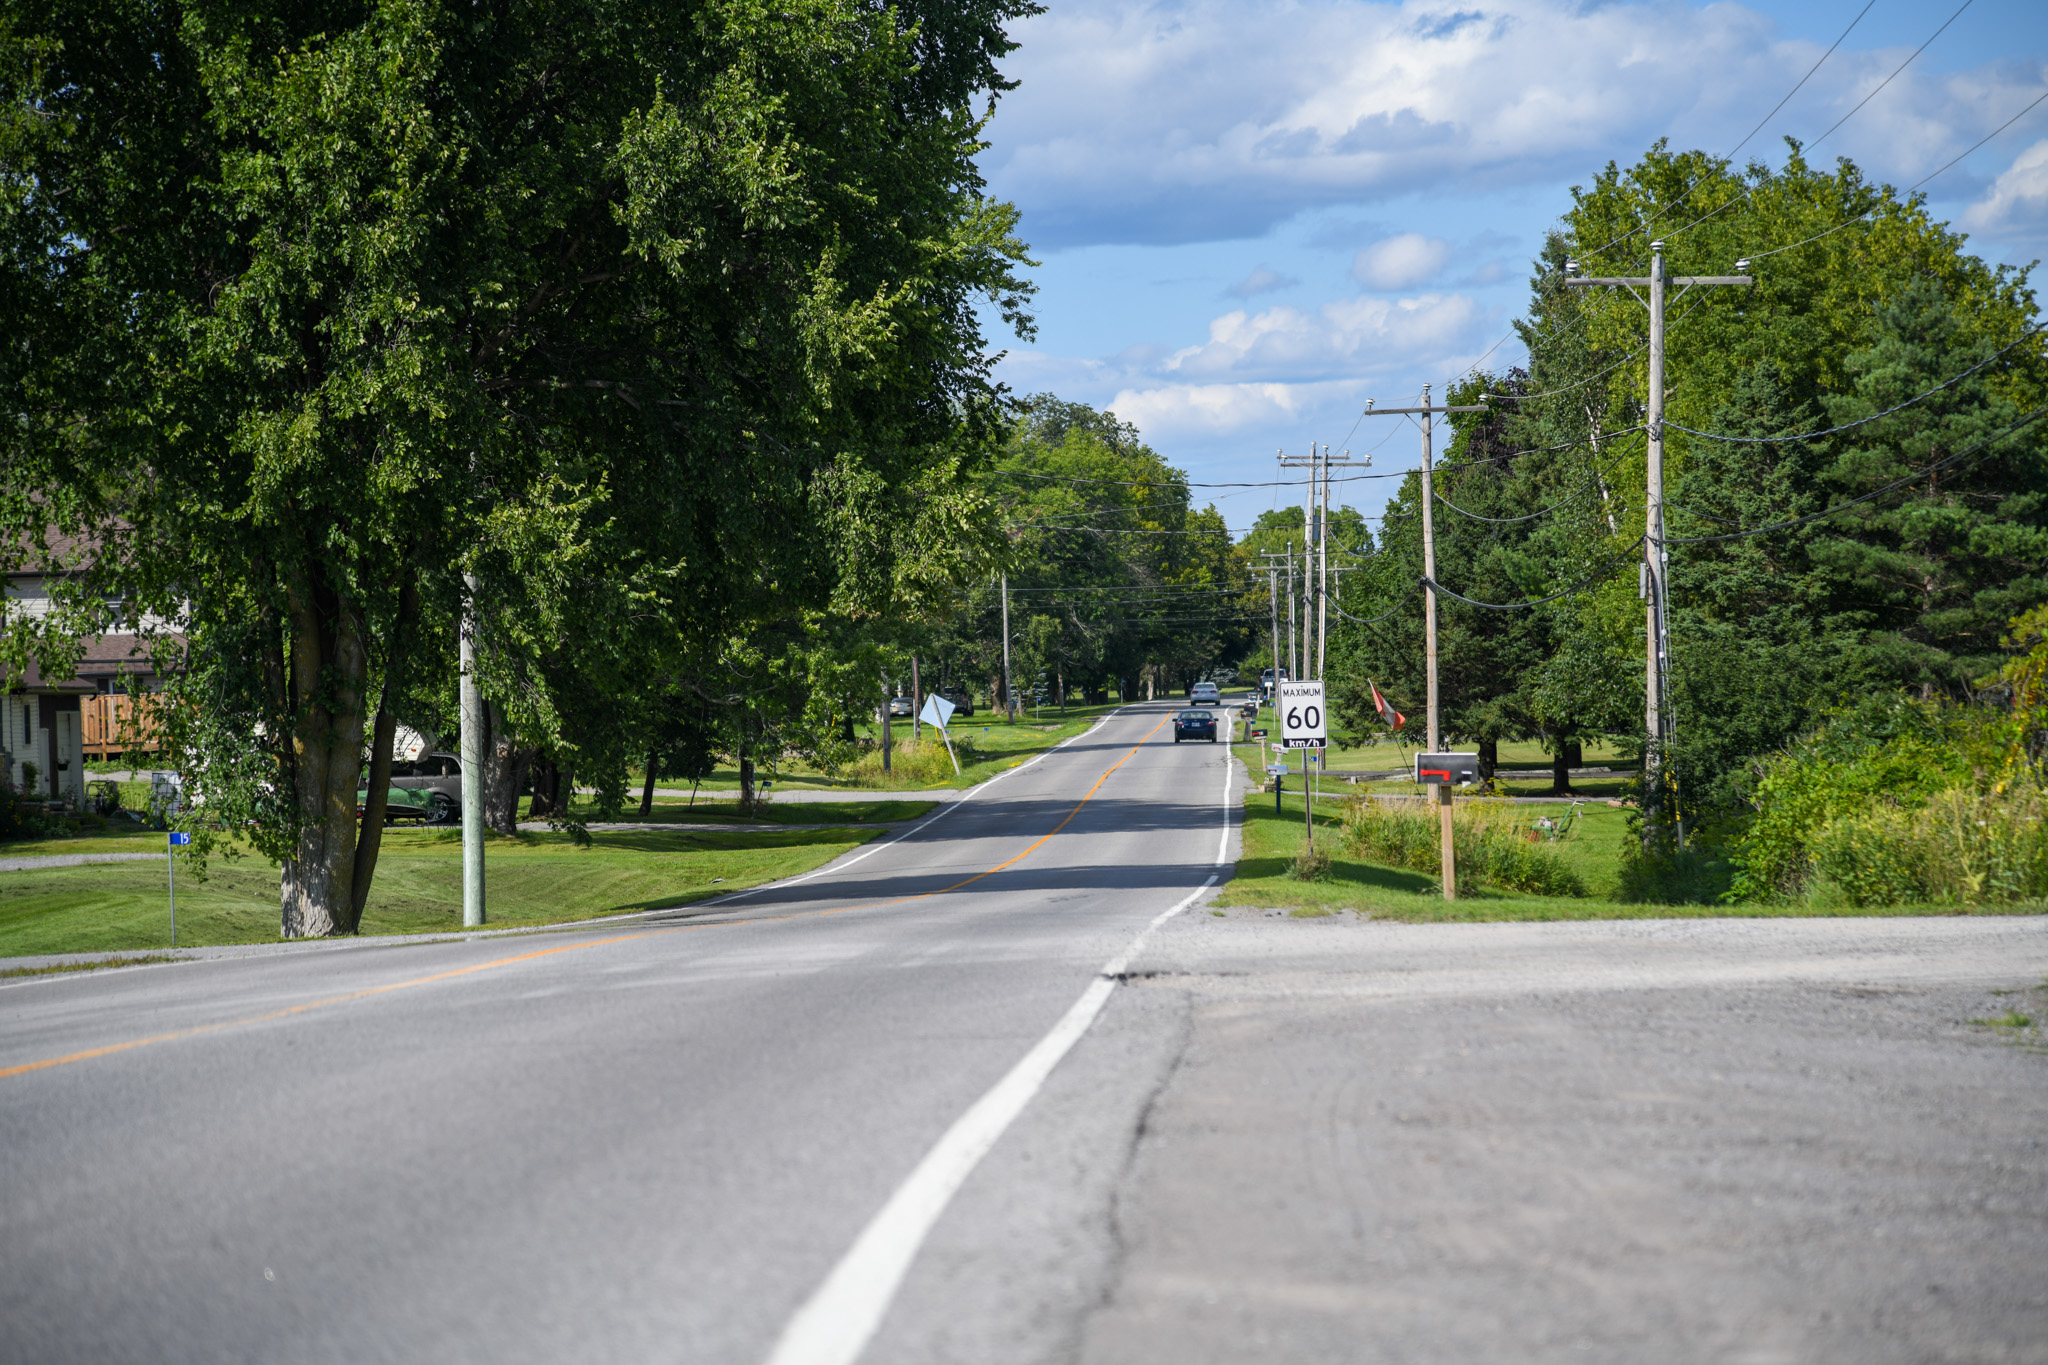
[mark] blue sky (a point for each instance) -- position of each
(1251, 217)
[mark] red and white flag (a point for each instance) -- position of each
(1394, 719)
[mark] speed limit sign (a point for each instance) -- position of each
(1302, 722)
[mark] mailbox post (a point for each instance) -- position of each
(1444, 771)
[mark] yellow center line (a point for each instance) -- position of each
(286, 1013)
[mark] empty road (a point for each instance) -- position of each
(1004, 1089)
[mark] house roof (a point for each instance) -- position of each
(106, 656)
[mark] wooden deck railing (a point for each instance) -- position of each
(116, 724)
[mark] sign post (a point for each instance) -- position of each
(1443, 771)
(171, 869)
(937, 713)
(1303, 725)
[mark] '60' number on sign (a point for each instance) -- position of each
(1305, 718)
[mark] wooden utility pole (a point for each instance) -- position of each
(1316, 554)
(1443, 791)
(1658, 726)
(1425, 412)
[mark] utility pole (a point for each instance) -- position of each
(1293, 648)
(1273, 602)
(1009, 693)
(1659, 725)
(1447, 853)
(1425, 412)
(1323, 585)
(916, 705)
(472, 715)
(1316, 554)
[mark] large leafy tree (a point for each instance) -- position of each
(1862, 303)
(616, 324)
(1113, 569)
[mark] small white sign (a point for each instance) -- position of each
(407, 744)
(1277, 769)
(1303, 724)
(937, 711)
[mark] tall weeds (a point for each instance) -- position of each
(912, 764)
(1962, 847)
(1488, 838)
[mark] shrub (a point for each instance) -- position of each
(16, 820)
(1488, 838)
(1962, 847)
(1896, 801)
(1311, 865)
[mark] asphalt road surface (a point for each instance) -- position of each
(1004, 1089)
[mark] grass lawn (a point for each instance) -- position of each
(714, 812)
(987, 744)
(1271, 842)
(532, 879)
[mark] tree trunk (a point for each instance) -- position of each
(1489, 758)
(329, 671)
(746, 784)
(544, 777)
(377, 798)
(505, 767)
(647, 790)
(1564, 756)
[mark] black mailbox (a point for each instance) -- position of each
(1447, 770)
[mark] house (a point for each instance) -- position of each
(58, 724)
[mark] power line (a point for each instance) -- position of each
(1862, 421)
(1850, 222)
(1581, 586)
(1504, 521)
(1752, 189)
(2010, 428)
(1687, 194)
(1375, 620)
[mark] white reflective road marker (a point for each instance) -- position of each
(839, 1320)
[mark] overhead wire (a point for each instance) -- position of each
(2009, 429)
(2030, 333)
(1591, 482)
(1752, 189)
(1580, 586)
(1687, 193)
(1851, 222)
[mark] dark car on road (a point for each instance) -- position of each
(1194, 725)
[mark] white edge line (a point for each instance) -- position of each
(1229, 780)
(836, 1323)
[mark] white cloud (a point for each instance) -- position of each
(1261, 281)
(2017, 204)
(1343, 338)
(1189, 120)
(1401, 262)
(1165, 412)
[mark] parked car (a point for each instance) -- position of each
(401, 804)
(436, 780)
(1206, 694)
(901, 706)
(963, 701)
(1194, 725)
